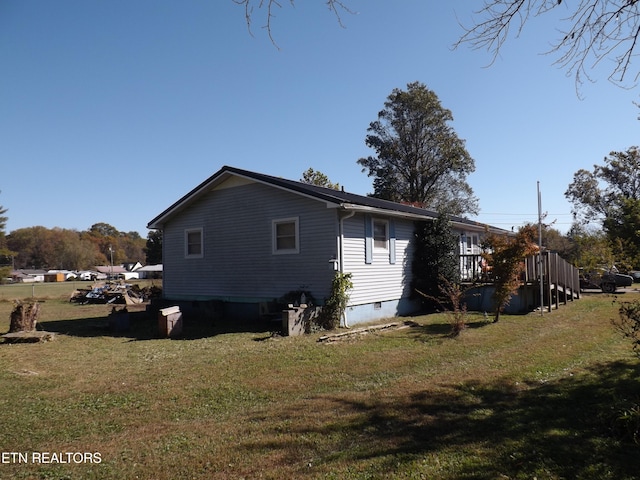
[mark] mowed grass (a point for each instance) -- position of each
(528, 397)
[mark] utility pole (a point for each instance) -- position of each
(540, 275)
(111, 267)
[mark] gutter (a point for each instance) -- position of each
(342, 218)
(460, 223)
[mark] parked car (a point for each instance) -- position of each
(636, 275)
(606, 280)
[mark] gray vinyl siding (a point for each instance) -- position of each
(238, 261)
(380, 280)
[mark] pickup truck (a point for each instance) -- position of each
(606, 280)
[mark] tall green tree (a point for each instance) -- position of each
(435, 260)
(319, 179)
(153, 250)
(419, 158)
(3, 222)
(6, 254)
(609, 195)
(592, 248)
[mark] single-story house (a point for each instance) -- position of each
(28, 276)
(245, 238)
(132, 266)
(150, 271)
(112, 271)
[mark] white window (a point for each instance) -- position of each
(193, 243)
(286, 236)
(380, 234)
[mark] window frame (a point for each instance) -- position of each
(274, 236)
(375, 239)
(187, 233)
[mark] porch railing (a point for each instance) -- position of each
(560, 279)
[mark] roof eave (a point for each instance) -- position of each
(352, 207)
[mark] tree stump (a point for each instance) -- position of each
(24, 316)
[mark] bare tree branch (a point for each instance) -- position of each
(337, 7)
(594, 31)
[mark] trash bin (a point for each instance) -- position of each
(170, 321)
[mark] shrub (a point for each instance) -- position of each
(628, 323)
(451, 300)
(336, 304)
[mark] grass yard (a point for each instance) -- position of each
(525, 398)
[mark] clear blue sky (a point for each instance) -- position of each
(112, 110)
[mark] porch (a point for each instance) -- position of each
(560, 280)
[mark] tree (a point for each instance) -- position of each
(435, 260)
(102, 229)
(40, 247)
(610, 195)
(555, 241)
(34, 247)
(269, 7)
(153, 250)
(319, 179)
(591, 247)
(591, 31)
(621, 179)
(3, 221)
(5, 253)
(419, 158)
(505, 257)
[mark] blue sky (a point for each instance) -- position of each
(112, 110)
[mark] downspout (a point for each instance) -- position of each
(341, 254)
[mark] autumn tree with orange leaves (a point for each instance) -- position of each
(505, 257)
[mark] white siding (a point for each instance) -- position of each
(380, 280)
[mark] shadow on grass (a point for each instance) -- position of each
(559, 429)
(143, 326)
(427, 332)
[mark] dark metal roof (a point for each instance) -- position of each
(332, 196)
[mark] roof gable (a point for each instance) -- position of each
(230, 176)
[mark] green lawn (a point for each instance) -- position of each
(528, 397)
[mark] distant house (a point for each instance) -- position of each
(28, 276)
(245, 238)
(112, 271)
(150, 271)
(132, 266)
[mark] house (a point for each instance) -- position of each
(132, 266)
(150, 271)
(28, 275)
(244, 238)
(111, 271)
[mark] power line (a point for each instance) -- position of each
(525, 214)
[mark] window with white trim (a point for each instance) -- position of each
(380, 234)
(193, 243)
(286, 236)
